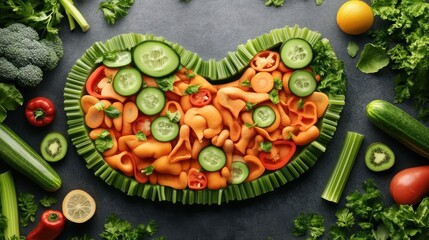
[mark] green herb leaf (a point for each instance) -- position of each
(10, 99)
(104, 141)
(166, 83)
(173, 116)
(274, 96)
(372, 59)
(112, 112)
(192, 89)
(28, 207)
(352, 49)
(47, 201)
(266, 146)
(114, 10)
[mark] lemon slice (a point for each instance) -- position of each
(78, 206)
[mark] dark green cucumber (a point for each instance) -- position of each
(24, 159)
(400, 125)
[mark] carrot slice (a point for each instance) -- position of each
(87, 101)
(262, 82)
(94, 117)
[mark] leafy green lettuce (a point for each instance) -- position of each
(405, 39)
(10, 99)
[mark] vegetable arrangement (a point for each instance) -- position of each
(143, 130)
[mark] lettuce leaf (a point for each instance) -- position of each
(10, 99)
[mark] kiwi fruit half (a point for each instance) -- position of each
(379, 157)
(53, 147)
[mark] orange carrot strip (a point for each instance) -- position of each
(109, 93)
(220, 139)
(228, 148)
(152, 148)
(198, 80)
(114, 148)
(282, 68)
(129, 114)
(321, 100)
(229, 121)
(285, 80)
(204, 121)
(117, 122)
(94, 117)
(185, 103)
(122, 161)
(87, 101)
(246, 135)
(175, 181)
(256, 169)
(262, 82)
(306, 137)
(277, 74)
(107, 120)
(163, 165)
(182, 150)
(110, 72)
(128, 142)
(197, 146)
(149, 81)
(216, 181)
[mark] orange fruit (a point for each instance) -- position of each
(355, 17)
(78, 206)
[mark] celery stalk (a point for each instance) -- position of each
(338, 179)
(75, 13)
(9, 205)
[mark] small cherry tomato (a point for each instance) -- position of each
(280, 154)
(201, 98)
(93, 80)
(265, 61)
(197, 180)
(142, 124)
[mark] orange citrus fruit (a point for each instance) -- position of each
(78, 206)
(355, 17)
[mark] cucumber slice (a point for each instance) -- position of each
(263, 116)
(240, 171)
(127, 81)
(163, 129)
(302, 83)
(120, 59)
(155, 58)
(150, 101)
(212, 158)
(296, 53)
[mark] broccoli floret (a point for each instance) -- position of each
(24, 57)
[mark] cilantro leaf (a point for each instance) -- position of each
(47, 201)
(114, 10)
(28, 207)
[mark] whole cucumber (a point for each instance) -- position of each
(400, 125)
(20, 156)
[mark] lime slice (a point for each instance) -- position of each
(78, 206)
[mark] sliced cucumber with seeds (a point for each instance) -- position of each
(118, 59)
(302, 83)
(239, 171)
(127, 81)
(150, 100)
(263, 116)
(212, 158)
(296, 53)
(163, 129)
(155, 59)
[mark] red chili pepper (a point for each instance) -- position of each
(50, 226)
(40, 111)
(280, 154)
(196, 179)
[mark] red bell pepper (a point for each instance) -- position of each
(280, 154)
(40, 111)
(51, 225)
(197, 180)
(91, 85)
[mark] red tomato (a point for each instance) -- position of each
(196, 179)
(410, 185)
(201, 98)
(280, 154)
(93, 80)
(142, 124)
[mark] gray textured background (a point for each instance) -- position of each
(211, 28)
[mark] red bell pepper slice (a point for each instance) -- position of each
(265, 61)
(280, 154)
(93, 80)
(197, 180)
(40, 111)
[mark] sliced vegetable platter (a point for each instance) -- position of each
(219, 74)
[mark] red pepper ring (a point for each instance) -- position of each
(265, 61)
(51, 225)
(280, 154)
(196, 179)
(40, 111)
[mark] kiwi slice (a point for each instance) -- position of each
(379, 157)
(53, 147)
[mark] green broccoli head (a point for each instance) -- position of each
(24, 56)
(27, 76)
